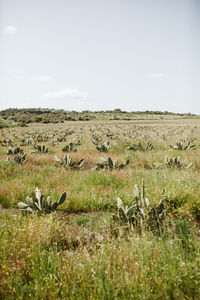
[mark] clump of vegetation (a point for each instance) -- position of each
(103, 147)
(40, 149)
(174, 162)
(40, 204)
(180, 146)
(25, 142)
(19, 159)
(71, 147)
(141, 214)
(109, 164)
(140, 147)
(6, 143)
(4, 123)
(68, 163)
(96, 139)
(15, 150)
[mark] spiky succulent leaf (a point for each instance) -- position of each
(122, 214)
(81, 162)
(22, 205)
(146, 200)
(136, 192)
(48, 201)
(38, 194)
(54, 205)
(69, 159)
(62, 198)
(119, 202)
(110, 163)
(56, 158)
(127, 161)
(161, 206)
(142, 213)
(189, 165)
(131, 211)
(30, 202)
(165, 160)
(103, 161)
(29, 209)
(37, 206)
(115, 164)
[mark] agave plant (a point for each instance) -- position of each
(139, 147)
(103, 147)
(172, 162)
(67, 162)
(181, 146)
(109, 164)
(141, 214)
(40, 204)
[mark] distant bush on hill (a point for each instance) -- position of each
(3, 123)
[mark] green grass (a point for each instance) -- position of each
(47, 257)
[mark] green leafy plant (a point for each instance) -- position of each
(181, 146)
(40, 149)
(67, 162)
(40, 204)
(6, 142)
(19, 159)
(25, 142)
(103, 147)
(14, 150)
(141, 214)
(69, 147)
(140, 147)
(109, 164)
(172, 163)
(96, 139)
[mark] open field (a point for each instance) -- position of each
(81, 251)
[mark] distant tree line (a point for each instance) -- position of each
(24, 116)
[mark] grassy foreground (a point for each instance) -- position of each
(80, 251)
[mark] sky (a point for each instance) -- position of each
(134, 55)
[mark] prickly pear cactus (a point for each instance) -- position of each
(40, 204)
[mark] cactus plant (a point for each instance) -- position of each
(181, 146)
(109, 164)
(141, 214)
(96, 140)
(103, 147)
(69, 147)
(25, 142)
(172, 162)
(15, 150)
(67, 162)
(19, 159)
(40, 204)
(7, 142)
(139, 147)
(39, 149)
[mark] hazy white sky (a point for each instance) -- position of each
(100, 54)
